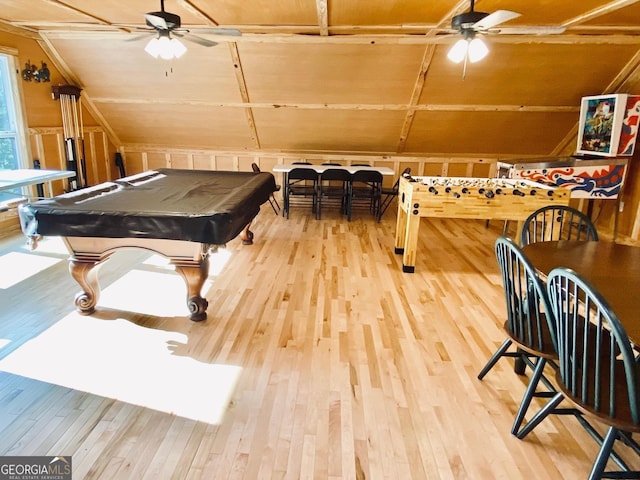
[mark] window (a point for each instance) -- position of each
(9, 144)
(13, 152)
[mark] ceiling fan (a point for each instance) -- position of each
(471, 23)
(163, 24)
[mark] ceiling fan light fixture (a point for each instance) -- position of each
(177, 48)
(472, 48)
(458, 51)
(477, 50)
(153, 48)
(165, 47)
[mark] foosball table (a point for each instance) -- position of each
(465, 197)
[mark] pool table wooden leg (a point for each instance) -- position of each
(195, 276)
(247, 235)
(85, 272)
(189, 259)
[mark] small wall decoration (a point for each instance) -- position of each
(601, 118)
(31, 72)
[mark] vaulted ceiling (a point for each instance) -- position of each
(367, 76)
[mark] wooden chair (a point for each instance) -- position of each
(301, 182)
(557, 222)
(598, 372)
(391, 193)
(367, 185)
(335, 183)
(530, 325)
(272, 199)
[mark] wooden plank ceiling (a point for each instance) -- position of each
(366, 76)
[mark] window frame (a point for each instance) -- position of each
(19, 127)
(22, 143)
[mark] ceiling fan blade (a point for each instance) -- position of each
(533, 30)
(222, 31)
(195, 39)
(496, 18)
(156, 22)
(135, 38)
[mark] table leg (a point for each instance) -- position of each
(247, 235)
(401, 226)
(195, 276)
(410, 243)
(85, 272)
(285, 194)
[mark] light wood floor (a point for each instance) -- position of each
(323, 360)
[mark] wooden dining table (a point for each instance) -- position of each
(613, 269)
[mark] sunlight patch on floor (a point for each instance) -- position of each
(121, 360)
(17, 266)
(218, 260)
(163, 294)
(157, 260)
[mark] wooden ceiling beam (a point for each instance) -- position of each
(460, 7)
(627, 78)
(343, 106)
(422, 75)
(566, 39)
(18, 30)
(244, 93)
(598, 12)
(75, 10)
(196, 12)
(387, 39)
(415, 97)
(58, 61)
(44, 26)
(323, 17)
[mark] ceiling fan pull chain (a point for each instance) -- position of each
(464, 67)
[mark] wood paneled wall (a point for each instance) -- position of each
(47, 145)
(141, 159)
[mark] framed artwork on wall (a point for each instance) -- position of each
(601, 118)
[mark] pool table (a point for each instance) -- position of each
(180, 214)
